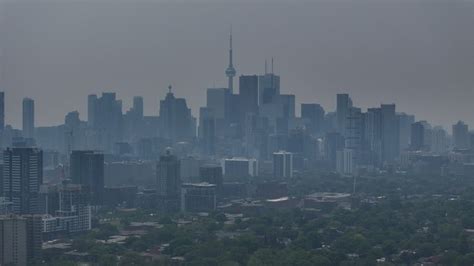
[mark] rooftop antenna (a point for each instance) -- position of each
(272, 64)
(169, 88)
(273, 76)
(266, 72)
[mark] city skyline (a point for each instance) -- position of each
(233, 132)
(313, 79)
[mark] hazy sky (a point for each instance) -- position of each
(417, 54)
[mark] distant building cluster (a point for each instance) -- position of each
(53, 178)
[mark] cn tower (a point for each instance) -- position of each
(230, 71)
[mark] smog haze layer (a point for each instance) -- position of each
(417, 54)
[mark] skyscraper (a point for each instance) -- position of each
(390, 133)
(105, 111)
(314, 114)
(168, 182)
(138, 106)
(404, 125)
(105, 119)
(28, 118)
(13, 240)
(417, 136)
(280, 113)
(218, 100)
(344, 102)
(20, 239)
(373, 135)
(248, 93)
(333, 143)
(22, 177)
(439, 141)
(230, 71)
(34, 237)
(461, 135)
(354, 129)
(354, 135)
(133, 121)
(177, 122)
(72, 131)
(207, 130)
(268, 88)
(91, 110)
(87, 169)
(287, 106)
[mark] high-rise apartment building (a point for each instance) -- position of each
(20, 239)
(13, 240)
(22, 177)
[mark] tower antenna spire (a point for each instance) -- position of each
(272, 64)
(266, 72)
(230, 38)
(230, 71)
